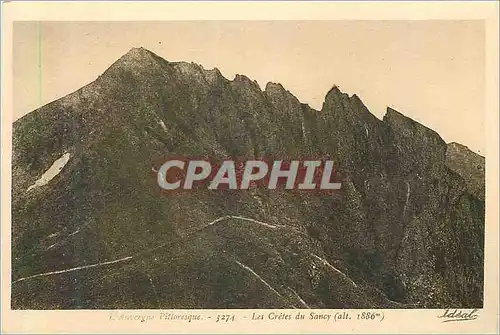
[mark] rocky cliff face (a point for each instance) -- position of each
(406, 231)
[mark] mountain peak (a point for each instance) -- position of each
(459, 147)
(137, 57)
(139, 52)
(136, 61)
(275, 88)
(334, 96)
(334, 92)
(409, 127)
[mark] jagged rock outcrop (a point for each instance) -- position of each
(469, 165)
(406, 231)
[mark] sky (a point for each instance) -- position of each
(431, 71)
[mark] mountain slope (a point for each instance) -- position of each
(406, 231)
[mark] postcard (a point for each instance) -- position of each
(250, 167)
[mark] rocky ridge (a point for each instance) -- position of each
(406, 232)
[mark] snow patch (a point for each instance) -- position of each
(53, 171)
(407, 197)
(163, 126)
(304, 137)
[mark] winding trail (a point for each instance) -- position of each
(78, 268)
(129, 258)
(259, 278)
(325, 262)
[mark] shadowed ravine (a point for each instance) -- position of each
(95, 232)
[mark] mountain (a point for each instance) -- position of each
(90, 229)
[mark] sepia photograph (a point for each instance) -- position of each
(280, 169)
